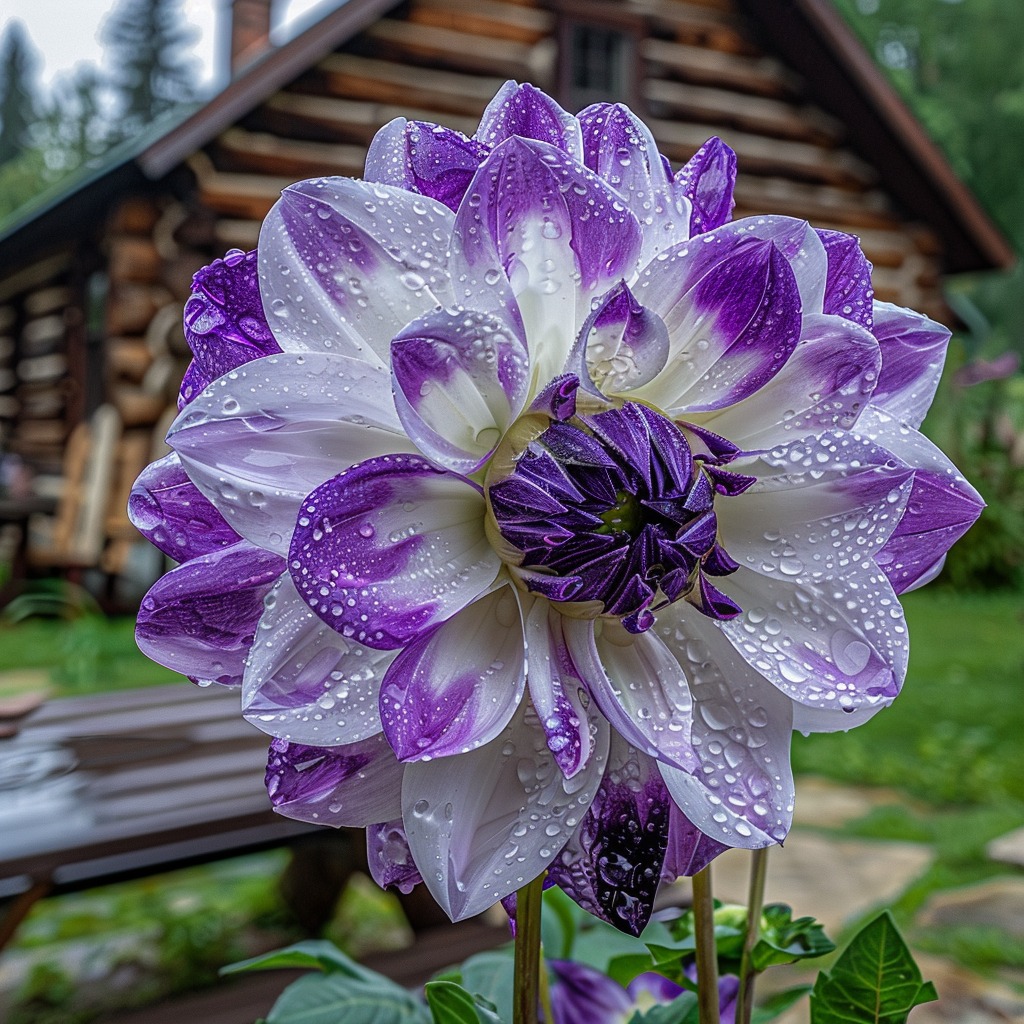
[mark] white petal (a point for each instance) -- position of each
(261, 437)
(742, 792)
(639, 686)
(483, 824)
(836, 644)
(345, 264)
(306, 683)
(821, 507)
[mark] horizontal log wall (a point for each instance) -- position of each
(700, 72)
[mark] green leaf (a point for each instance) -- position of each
(682, 1010)
(775, 1006)
(316, 955)
(330, 998)
(625, 968)
(784, 941)
(875, 981)
(489, 975)
(559, 923)
(452, 1004)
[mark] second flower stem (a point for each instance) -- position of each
(527, 952)
(707, 949)
(755, 900)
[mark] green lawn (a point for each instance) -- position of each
(82, 655)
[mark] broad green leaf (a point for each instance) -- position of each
(559, 923)
(331, 998)
(452, 1004)
(489, 975)
(682, 1010)
(316, 955)
(875, 981)
(784, 941)
(774, 1007)
(625, 968)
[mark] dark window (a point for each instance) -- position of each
(599, 65)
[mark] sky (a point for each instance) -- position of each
(65, 32)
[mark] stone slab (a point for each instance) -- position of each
(998, 903)
(1008, 849)
(833, 880)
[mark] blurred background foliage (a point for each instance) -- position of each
(959, 65)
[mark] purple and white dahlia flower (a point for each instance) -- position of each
(533, 504)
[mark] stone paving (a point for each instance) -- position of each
(838, 880)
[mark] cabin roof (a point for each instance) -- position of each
(809, 35)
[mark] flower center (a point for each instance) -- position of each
(612, 507)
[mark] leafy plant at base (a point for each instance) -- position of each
(875, 981)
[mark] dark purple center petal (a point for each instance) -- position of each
(614, 507)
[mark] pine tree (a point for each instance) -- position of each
(148, 44)
(17, 98)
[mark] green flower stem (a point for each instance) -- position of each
(755, 900)
(707, 950)
(527, 952)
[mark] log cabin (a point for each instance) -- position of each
(93, 277)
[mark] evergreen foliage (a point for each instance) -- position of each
(17, 97)
(147, 44)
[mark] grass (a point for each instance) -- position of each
(77, 656)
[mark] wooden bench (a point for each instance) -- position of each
(113, 786)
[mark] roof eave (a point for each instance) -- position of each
(813, 38)
(260, 81)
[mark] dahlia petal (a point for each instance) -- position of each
(581, 994)
(557, 399)
(345, 264)
(460, 379)
(194, 382)
(263, 436)
(306, 683)
(612, 864)
(913, 352)
(456, 688)
(688, 850)
(822, 506)
(801, 246)
(525, 111)
(835, 644)
(741, 795)
(225, 325)
(637, 683)
(555, 688)
(354, 785)
(938, 513)
(619, 147)
(174, 515)
(389, 857)
(200, 618)
(707, 179)
(485, 823)
(942, 510)
(425, 158)
(825, 383)
(732, 310)
(391, 548)
(848, 291)
(538, 226)
(622, 345)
